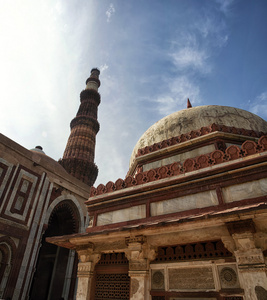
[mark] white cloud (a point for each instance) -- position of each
(189, 57)
(259, 105)
(110, 12)
(225, 5)
(180, 89)
(103, 68)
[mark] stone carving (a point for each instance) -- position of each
(157, 281)
(139, 253)
(191, 279)
(261, 293)
(247, 255)
(228, 277)
(205, 160)
(136, 239)
(209, 249)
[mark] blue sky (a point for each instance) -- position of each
(152, 54)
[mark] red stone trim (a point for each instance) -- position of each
(196, 133)
(191, 164)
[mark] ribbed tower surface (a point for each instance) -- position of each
(79, 155)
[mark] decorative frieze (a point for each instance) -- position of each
(85, 269)
(233, 152)
(199, 132)
(203, 250)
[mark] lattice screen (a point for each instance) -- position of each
(112, 286)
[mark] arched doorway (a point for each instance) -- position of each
(7, 249)
(54, 268)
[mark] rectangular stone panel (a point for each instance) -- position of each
(248, 190)
(5, 170)
(122, 215)
(184, 203)
(179, 157)
(200, 278)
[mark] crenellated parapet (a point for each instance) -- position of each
(197, 133)
(216, 157)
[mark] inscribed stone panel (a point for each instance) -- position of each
(191, 279)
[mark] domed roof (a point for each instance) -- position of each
(186, 120)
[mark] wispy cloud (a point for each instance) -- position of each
(225, 5)
(259, 105)
(180, 89)
(110, 12)
(190, 57)
(103, 67)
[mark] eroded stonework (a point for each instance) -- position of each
(191, 278)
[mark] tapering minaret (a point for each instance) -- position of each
(78, 158)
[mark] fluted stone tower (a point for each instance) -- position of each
(78, 158)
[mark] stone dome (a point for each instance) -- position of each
(186, 120)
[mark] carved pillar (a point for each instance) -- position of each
(250, 260)
(139, 255)
(86, 266)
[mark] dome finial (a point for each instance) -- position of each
(189, 105)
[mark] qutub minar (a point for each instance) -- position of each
(79, 155)
(189, 220)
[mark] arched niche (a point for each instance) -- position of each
(54, 277)
(7, 252)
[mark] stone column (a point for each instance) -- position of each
(139, 255)
(86, 266)
(250, 260)
(251, 265)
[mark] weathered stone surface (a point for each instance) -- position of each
(122, 215)
(191, 279)
(157, 280)
(228, 277)
(252, 189)
(261, 293)
(184, 203)
(185, 120)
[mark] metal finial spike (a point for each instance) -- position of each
(189, 105)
